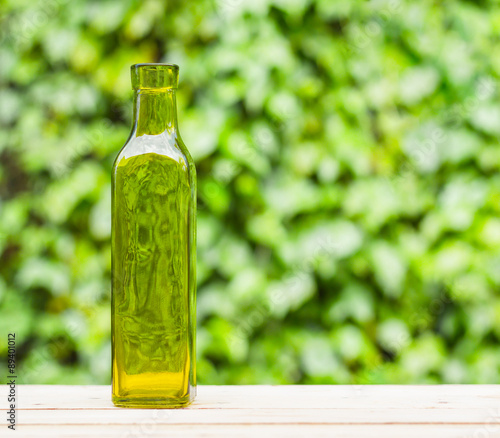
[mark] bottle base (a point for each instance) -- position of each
(152, 402)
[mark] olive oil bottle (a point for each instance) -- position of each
(153, 252)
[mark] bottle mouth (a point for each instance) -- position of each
(154, 76)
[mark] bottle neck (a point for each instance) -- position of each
(155, 111)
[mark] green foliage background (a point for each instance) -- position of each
(349, 194)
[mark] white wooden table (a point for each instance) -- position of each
(264, 411)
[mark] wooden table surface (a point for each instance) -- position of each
(265, 411)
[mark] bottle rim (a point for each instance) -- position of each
(154, 64)
(154, 76)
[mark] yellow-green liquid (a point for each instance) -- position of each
(153, 274)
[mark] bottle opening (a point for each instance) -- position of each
(154, 76)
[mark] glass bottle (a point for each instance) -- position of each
(153, 252)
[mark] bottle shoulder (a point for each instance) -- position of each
(169, 145)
